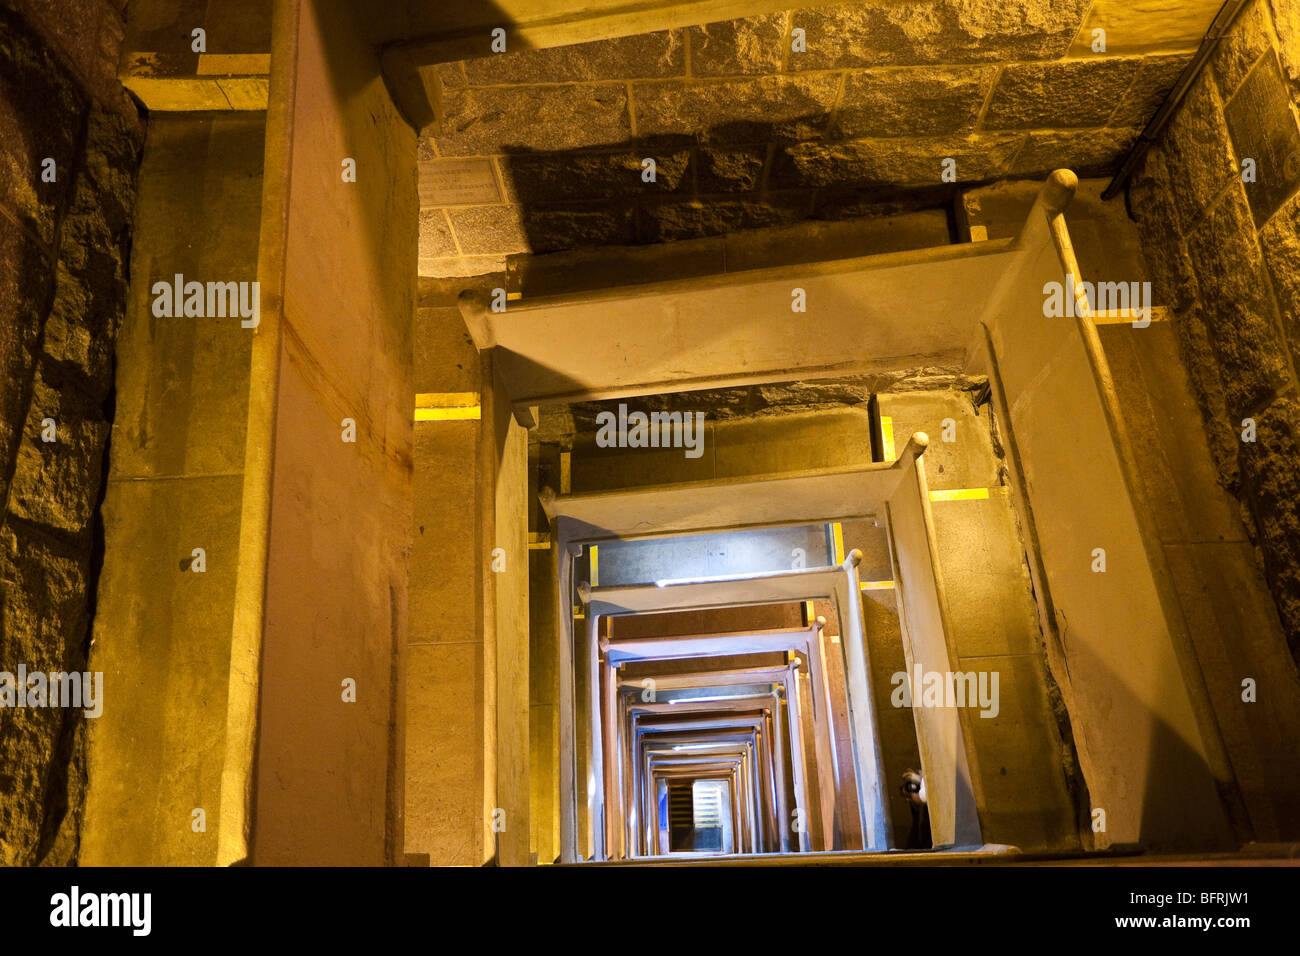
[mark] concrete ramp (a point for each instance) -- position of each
(845, 317)
(1152, 751)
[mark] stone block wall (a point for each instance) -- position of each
(542, 150)
(64, 237)
(1218, 212)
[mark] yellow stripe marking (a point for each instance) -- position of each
(875, 585)
(446, 406)
(887, 434)
(446, 414)
(959, 494)
(595, 566)
(837, 533)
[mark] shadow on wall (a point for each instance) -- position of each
(352, 72)
(715, 180)
(666, 188)
(1170, 802)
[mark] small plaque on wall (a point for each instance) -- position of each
(458, 182)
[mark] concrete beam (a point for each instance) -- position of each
(818, 320)
(1139, 703)
(314, 758)
(803, 497)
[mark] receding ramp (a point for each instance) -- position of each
(800, 497)
(1150, 747)
(788, 498)
(922, 612)
(838, 584)
(863, 315)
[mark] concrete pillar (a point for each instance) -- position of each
(510, 624)
(445, 696)
(468, 740)
(319, 631)
(543, 713)
(164, 615)
(995, 628)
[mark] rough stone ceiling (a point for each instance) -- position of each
(543, 150)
